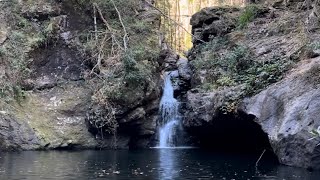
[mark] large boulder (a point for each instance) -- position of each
(313, 20)
(288, 112)
(184, 69)
(203, 108)
(57, 116)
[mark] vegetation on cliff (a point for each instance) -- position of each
(123, 48)
(246, 53)
(109, 46)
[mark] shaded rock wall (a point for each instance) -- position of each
(288, 110)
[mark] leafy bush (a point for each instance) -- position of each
(225, 81)
(22, 38)
(250, 12)
(135, 73)
(222, 67)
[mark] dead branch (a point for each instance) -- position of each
(257, 162)
(109, 32)
(125, 37)
(95, 5)
(95, 22)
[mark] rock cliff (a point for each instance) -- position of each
(259, 63)
(49, 80)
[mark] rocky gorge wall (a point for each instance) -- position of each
(260, 63)
(51, 105)
(252, 69)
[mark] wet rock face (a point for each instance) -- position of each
(288, 111)
(203, 108)
(184, 69)
(56, 64)
(313, 20)
(179, 69)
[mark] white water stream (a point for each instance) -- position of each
(169, 122)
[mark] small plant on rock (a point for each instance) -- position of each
(250, 13)
(316, 134)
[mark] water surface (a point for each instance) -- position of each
(164, 164)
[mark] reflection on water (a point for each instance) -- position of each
(163, 164)
(167, 165)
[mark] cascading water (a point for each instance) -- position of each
(169, 123)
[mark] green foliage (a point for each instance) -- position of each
(207, 87)
(15, 52)
(9, 91)
(22, 38)
(2, 52)
(250, 13)
(19, 94)
(260, 75)
(135, 72)
(315, 45)
(225, 81)
(209, 59)
(235, 68)
(140, 27)
(236, 60)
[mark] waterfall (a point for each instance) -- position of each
(169, 123)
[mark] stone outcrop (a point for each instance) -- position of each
(202, 108)
(288, 112)
(184, 69)
(16, 135)
(211, 22)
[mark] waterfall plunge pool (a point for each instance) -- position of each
(158, 164)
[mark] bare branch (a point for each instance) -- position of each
(125, 37)
(175, 22)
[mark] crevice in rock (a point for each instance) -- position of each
(210, 20)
